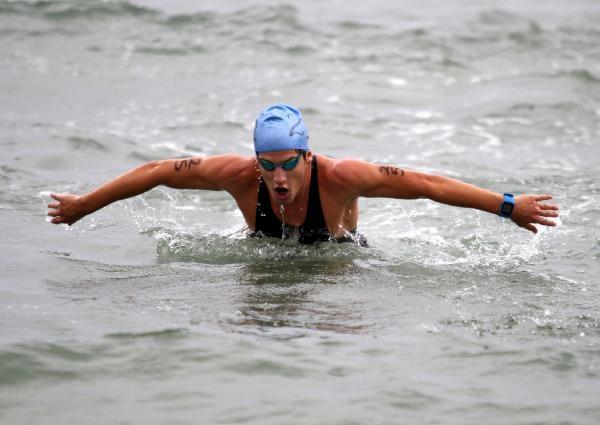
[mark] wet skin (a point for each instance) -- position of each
(341, 183)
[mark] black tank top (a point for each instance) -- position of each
(312, 230)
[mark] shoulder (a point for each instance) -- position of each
(342, 171)
(232, 170)
(231, 163)
(344, 175)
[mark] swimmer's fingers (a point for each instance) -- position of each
(541, 220)
(548, 207)
(547, 213)
(528, 211)
(62, 220)
(529, 227)
(57, 197)
(54, 209)
(545, 210)
(67, 210)
(537, 220)
(58, 218)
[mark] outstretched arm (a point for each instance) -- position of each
(371, 180)
(223, 172)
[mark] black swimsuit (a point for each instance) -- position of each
(312, 230)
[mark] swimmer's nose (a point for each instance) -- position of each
(280, 177)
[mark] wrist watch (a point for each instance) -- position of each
(507, 206)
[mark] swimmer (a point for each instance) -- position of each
(287, 189)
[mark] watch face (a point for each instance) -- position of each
(507, 208)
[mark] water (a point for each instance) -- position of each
(158, 310)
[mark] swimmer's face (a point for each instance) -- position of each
(284, 185)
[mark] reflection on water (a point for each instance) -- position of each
(290, 289)
(289, 293)
(280, 283)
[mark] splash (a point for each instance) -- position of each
(238, 247)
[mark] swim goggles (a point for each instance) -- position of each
(287, 165)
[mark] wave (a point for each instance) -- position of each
(283, 13)
(499, 17)
(166, 334)
(64, 10)
(582, 75)
(23, 363)
(89, 9)
(87, 143)
(189, 19)
(351, 25)
(171, 51)
(160, 33)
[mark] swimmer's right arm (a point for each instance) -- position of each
(222, 172)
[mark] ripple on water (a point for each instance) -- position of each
(47, 362)
(87, 143)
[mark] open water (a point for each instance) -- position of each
(157, 310)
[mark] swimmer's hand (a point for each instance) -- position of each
(67, 210)
(530, 210)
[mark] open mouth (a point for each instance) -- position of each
(281, 190)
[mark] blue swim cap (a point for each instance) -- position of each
(280, 127)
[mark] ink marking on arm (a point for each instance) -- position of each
(187, 163)
(391, 170)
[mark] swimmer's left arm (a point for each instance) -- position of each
(373, 180)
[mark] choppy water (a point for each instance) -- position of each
(157, 309)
